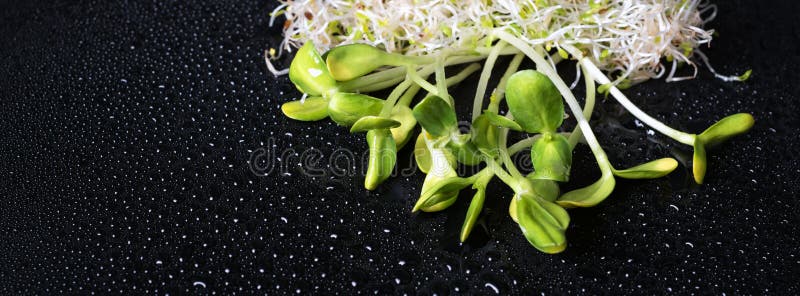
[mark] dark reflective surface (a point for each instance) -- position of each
(129, 129)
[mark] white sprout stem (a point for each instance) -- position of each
(500, 91)
(414, 76)
(408, 96)
(500, 172)
(726, 78)
(588, 107)
(388, 75)
(271, 67)
(427, 70)
(544, 67)
(393, 96)
(596, 74)
(477, 104)
(460, 76)
(441, 79)
(391, 77)
(504, 51)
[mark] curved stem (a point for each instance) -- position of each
(501, 173)
(505, 156)
(544, 67)
(500, 91)
(484, 79)
(522, 144)
(414, 76)
(601, 78)
(505, 51)
(441, 83)
(389, 104)
(588, 107)
(412, 91)
(463, 74)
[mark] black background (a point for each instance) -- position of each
(127, 127)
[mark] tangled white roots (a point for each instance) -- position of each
(629, 38)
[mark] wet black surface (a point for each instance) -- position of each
(128, 129)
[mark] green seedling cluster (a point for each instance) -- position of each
(335, 86)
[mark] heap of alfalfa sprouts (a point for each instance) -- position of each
(628, 38)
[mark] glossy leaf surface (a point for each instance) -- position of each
(309, 73)
(534, 101)
(310, 109)
(347, 108)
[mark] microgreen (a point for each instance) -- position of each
(402, 51)
(402, 133)
(309, 73)
(542, 222)
(348, 62)
(552, 157)
(308, 109)
(382, 157)
(367, 123)
(347, 108)
(534, 101)
(436, 116)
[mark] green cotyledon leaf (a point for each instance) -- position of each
(466, 152)
(502, 121)
(427, 157)
(551, 155)
(436, 116)
(717, 133)
(441, 185)
(475, 207)
(534, 101)
(309, 109)
(476, 204)
(725, 128)
(347, 62)
(591, 195)
(309, 73)
(382, 157)
(484, 135)
(351, 61)
(373, 122)
(543, 223)
(546, 189)
(407, 121)
(649, 170)
(347, 108)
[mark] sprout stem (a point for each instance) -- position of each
(527, 143)
(414, 76)
(501, 173)
(393, 96)
(409, 95)
(484, 79)
(500, 91)
(595, 73)
(366, 83)
(441, 83)
(588, 107)
(544, 67)
(504, 155)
